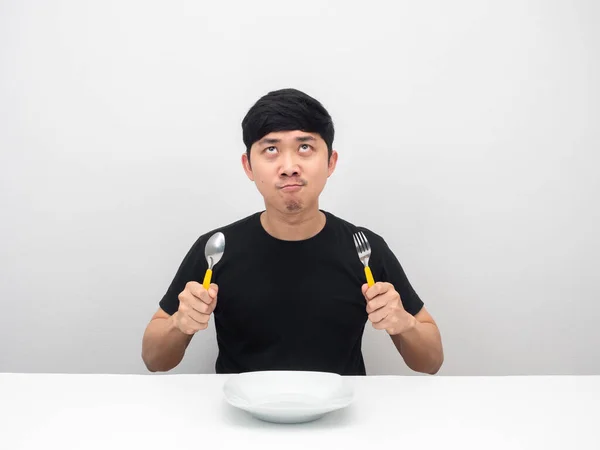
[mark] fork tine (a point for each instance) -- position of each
(361, 246)
(364, 253)
(366, 246)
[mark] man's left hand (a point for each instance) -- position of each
(385, 310)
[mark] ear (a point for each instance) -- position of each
(332, 163)
(247, 167)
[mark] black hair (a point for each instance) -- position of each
(287, 110)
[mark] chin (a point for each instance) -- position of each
(293, 206)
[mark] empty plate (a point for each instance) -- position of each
(288, 396)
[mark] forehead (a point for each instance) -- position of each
(289, 137)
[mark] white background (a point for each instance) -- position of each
(468, 138)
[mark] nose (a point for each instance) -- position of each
(289, 166)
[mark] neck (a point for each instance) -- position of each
(296, 226)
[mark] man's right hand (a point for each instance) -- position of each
(196, 304)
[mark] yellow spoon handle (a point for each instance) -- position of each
(207, 277)
(369, 275)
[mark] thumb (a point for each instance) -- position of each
(213, 290)
(364, 289)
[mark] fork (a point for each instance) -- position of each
(364, 253)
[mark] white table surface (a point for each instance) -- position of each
(47, 411)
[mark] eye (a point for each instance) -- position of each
(305, 147)
(269, 149)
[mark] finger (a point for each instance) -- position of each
(197, 316)
(364, 288)
(379, 315)
(188, 312)
(190, 326)
(211, 307)
(188, 302)
(203, 308)
(198, 291)
(199, 306)
(382, 324)
(390, 324)
(194, 288)
(377, 303)
(377, 289)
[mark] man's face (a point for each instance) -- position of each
(290, 169)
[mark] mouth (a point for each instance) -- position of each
(291, 187)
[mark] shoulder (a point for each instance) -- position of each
(232, 228)
(347, 227)
(240, 224)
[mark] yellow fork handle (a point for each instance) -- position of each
(369, 275)
(207, 277)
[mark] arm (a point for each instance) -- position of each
(166, 337)
(394, 306)
(163, 344)
(420, 344)
(416, 337)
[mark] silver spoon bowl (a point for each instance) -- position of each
(213, 251)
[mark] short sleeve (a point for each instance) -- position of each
(391, 271)
(192, 268)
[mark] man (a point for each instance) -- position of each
(290, 292)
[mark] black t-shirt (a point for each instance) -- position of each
(291, 305)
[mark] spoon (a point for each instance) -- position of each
(215, 246)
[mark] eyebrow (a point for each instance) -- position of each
(277, 141)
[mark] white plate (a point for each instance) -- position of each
(288, 396)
